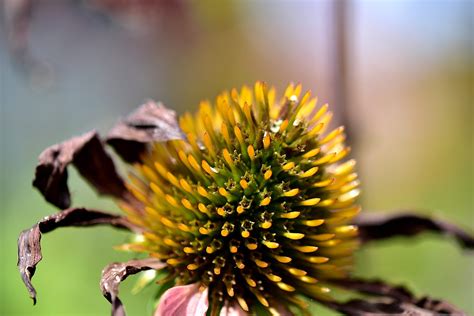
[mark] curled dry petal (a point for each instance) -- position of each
(381, 226)
(438, 306)
(375, 287)
(115, 273)
(87, 154)
(29, 246)
(390, 300)
(376, 307)
(189, 300)
(360, 307)
(151, 122)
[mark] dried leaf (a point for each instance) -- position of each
(115, 273)
(29, 246)
(151, 122)
(390, 300)
(88, 155)
(381, 226)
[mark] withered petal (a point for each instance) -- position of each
(382, 226)
(151, 122)
(360, 307)
(390, 300)
(388, 306)
(87, 154)
(375, 287)
(438, 306)
(29, 241)
(116, 272)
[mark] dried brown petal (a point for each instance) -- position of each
(151, 122)
(390, 300)
(87, 154)
(385, 306)
(438, 306)
(360, 307)
(375, 287)
(381, 226)
(116, 272)
(29, 246)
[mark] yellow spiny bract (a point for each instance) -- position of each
(255, 203)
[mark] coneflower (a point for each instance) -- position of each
(253, 205)
(247, 206)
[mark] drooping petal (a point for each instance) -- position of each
(232, 310)
(382, 226)
(360, 307)
(385, 298)
(275, 309)
(87, 154)
(115, 273)
(376, 287)
(376, 307)
(29, 246)
(151, 122)
(189, 300)
(438, 306)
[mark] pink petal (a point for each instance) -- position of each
(236, 310)
(280, 310)
(232, 310)
(186, 300)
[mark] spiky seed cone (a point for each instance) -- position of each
(254, 204)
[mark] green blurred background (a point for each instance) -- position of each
(409, 91)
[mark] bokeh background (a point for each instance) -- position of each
(400, 73)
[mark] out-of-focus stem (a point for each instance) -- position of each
(341, 12)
